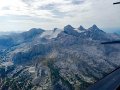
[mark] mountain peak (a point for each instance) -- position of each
(32, 33)
(70, 30)
(55, 29)
(68, 27)
(94, 27)
(81, 28)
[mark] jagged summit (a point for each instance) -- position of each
(81, 28)
(94, 27)
(70, 30)
(68, 27)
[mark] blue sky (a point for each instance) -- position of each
(21, 15)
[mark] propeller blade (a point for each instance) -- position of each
(116, 3)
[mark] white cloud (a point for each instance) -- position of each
(57, 13)
(31, 7)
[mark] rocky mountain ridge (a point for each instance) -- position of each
(68, 59)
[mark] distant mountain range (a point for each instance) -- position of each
(58, 59)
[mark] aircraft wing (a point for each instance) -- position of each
(110, 82)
